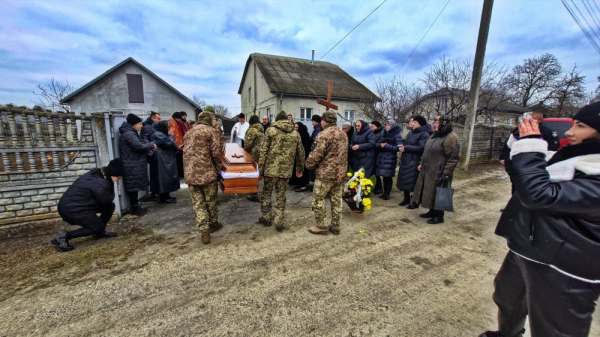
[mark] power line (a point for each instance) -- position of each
(584, 19)
(363, 20)
(417, 46)
(591, 12)
(583, 29)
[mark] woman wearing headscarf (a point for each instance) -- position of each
(388, 145)
(302, 182)
(551, 272)
(412, 151)
(163, 165)
(440, 157)
(378, 132)
(363, 148)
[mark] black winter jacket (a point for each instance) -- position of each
(551, 138)
(163, 164)
(133, 152)
(88, 195)
(554, 216)
(365, 155)
(414, 145)
(147, 130)
(387, 159)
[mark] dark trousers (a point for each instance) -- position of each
(387, 185)
(557, 305)
(133, 198)
(179, 159)
(378, 184)
(91, 223)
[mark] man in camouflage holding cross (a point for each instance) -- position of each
(278, 150)
(330, 159)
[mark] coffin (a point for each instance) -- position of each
(240, 171)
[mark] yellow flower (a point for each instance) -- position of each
(367, 208)
(362, 174)
(366, 202)
(349, 175)
(352, 185)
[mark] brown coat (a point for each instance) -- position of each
(254, 138)
(202, 159)
(330, 155)
(441, 156)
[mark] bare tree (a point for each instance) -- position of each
(447, 83)
(569, 92)
(222, 110)
(52, 93)
(397, 96)
(199, 101)
(494, 91)
(535, 80)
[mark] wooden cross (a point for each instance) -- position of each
(327, 103)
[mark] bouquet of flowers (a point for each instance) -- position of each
(357, 190)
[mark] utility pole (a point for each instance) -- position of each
(467, 139)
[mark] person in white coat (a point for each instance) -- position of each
(238, 133)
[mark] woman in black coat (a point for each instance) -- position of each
(412, 151)
(363, 149)
(163, 165)
(378, 132)
(387, 159)
(302, 182)
(552, 227)
(133, 152)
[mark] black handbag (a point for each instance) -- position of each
(443, 198)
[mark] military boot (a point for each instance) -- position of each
(317, 230)
(264, 221)
(62, 243)
(215, 226)
(205, 237)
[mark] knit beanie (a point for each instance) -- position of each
(316, 118)
(205, 118)
(347, 125)
(590, 115)
(133, 119)
(376, 123)
(329, 117)
(115, 168)
(420, 119)
(254, 119)
(209, 108)
(281, 116)
(241, 115)
(176, 114)
(392, 123)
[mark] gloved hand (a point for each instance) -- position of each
(444, 179)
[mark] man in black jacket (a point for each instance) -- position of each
(147, 126)
(89, 195)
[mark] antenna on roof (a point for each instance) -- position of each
(313, 57)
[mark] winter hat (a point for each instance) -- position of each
(329, 117)
(209, 108)
(241, 115)
(376, 123)
(254, 119)
(133, 119)
(115, 168)
(590, 115)
(347, 125)
(420, 119)
(392, 123)
(281, 116)
(316, 118)
(205, 118)
(176, 114)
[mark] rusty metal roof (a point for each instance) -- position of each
(300, 77)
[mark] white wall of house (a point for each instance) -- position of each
(110, 93)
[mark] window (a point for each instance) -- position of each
(442, 103)
(269, 114)
(305, 114)
(135, 87)
(509, 121)
(349, 115)
(250, 94)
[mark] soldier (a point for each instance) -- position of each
(330, 159)
(254, 138)
(203, 163)
(276, 159)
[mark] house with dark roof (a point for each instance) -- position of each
(131, 88)
(273, 83)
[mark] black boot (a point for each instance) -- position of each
(429, 214)
(137, 210)
(378, 189)
(406, 199)
(105, 235)
(412, 205)
(438, 218)
(62, 243)
(387, 190)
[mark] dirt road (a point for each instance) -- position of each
(401, 277)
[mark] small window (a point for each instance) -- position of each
(135, 88)
(269, 114)
(509, 121)
(305, 114)
(349, 115)
(250, 94)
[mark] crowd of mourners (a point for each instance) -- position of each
(551, 223)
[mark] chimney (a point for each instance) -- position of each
(313, 57)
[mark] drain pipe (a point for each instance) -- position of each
(111, 156)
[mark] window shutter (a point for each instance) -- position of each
(135, 87)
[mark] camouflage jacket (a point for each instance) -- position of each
(279, 148)
(330, 155)
(254, 138)
(203, 155)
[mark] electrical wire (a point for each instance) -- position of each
(417, 46)
(584, 19)
(583, 29)
(591, 12)
(363, 20)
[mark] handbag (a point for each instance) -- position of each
(443, 198)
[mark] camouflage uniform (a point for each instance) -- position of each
(254, 138)
(202, 161)
(276, 160)
(330, 158)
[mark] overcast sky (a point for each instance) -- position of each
(201, 47)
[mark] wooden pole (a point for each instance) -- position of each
(484, 27)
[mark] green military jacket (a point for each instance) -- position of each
(279, 148)
(330, 155)
(202, 159)
(254, 138)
